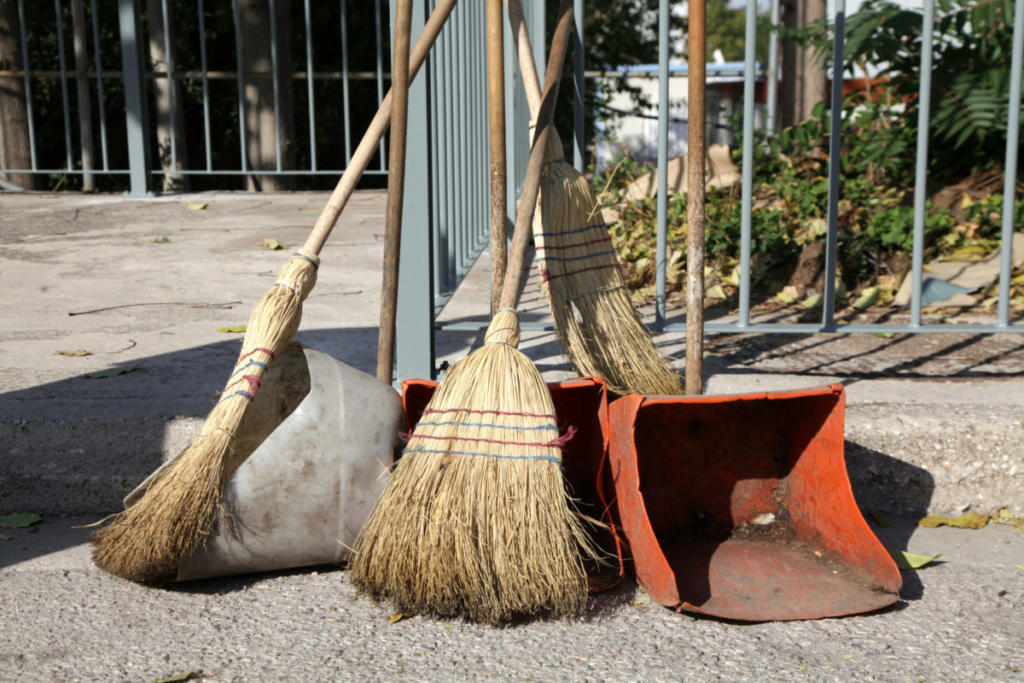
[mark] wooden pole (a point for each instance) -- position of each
(396, 190)
(695, 213)
(496, 112)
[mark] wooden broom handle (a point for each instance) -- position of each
(396, 191)
(521, 44)
(535, 166)
(695, 204)
(496, 116)
(374, 132)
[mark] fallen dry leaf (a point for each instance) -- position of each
(905, 560)
(971, 520)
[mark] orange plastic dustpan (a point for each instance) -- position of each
(740, 507)
(583, 405)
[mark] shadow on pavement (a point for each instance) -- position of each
(76, 447)
(875, 477)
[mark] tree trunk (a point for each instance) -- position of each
(261, 129)
(803, 79)
(82, 91)
(14, 142)
(167, 97)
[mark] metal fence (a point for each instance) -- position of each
(828, 323)
(118, 69)
(742, 320)
(447, 137)
(94, 73)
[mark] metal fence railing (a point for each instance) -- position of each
(742, 321)
(114, 67)
(166, 87)
(124, 55)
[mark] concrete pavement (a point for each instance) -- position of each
(934, 424)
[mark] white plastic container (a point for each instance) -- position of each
(302, 496)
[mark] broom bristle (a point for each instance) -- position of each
(148, 541)
(594, 317)
(180, 505)
(475, 520)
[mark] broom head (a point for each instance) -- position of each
(181, 502)
(580, 272)
(475, 520)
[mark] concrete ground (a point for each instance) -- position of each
(933, 424)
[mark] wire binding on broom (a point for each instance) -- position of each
(607, 338)
(481, 532)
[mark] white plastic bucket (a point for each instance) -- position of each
(301, 497)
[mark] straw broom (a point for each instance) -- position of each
(580, 272)
(475, 521)
(181, 503)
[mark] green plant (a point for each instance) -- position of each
(970, 73)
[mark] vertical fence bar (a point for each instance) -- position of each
(344, 83)
(240, 85)
(1010, 165)
(28, 84)
(435, 172)
(129, 16)
(443, 127)
(65, 103)
(462, 207)
(747, 177)
(206, 86)
(309, 88)
(466, 96)
(275, 83)
(458, 77)
(451, 158)
(662, 202)
(473, 137)
(483, 216)
(828, 298)
(452, 79)
(99, 85)
(380, 73)
(169, 56)
(579, 86)
(415, 316)
(924, 103)
(772, 87)
(479, 80)
(514, 128)
(467, 121)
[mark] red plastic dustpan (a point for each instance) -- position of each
(740, 507)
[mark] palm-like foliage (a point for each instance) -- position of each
(970, 71)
